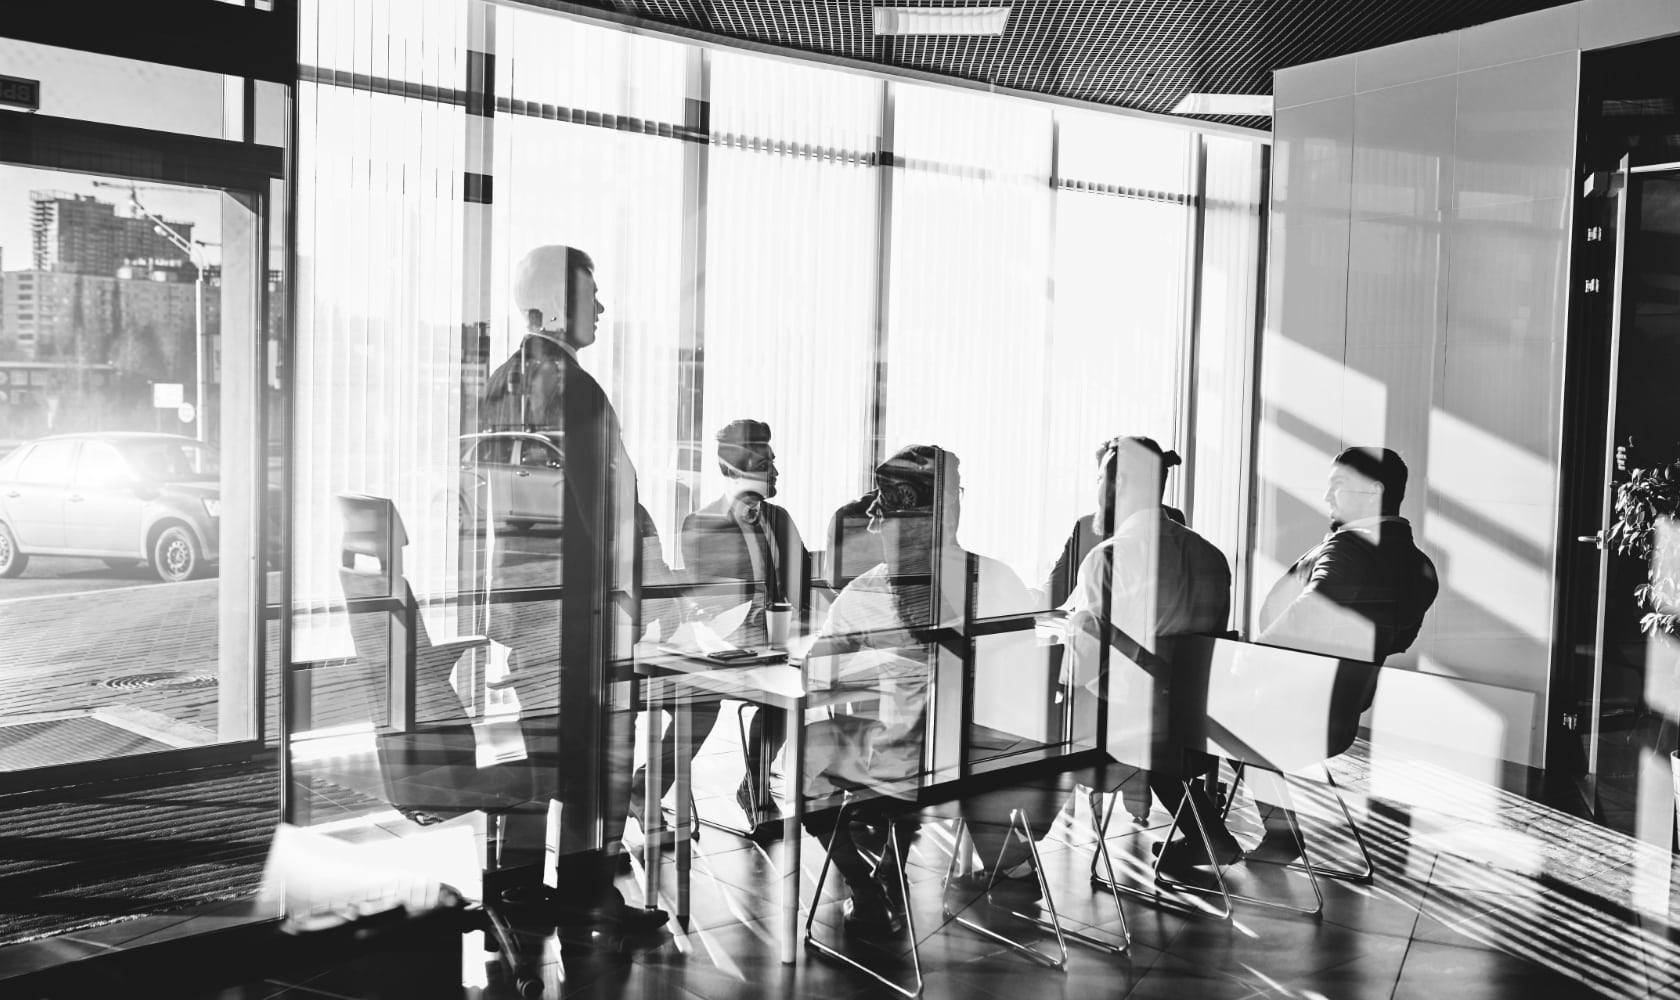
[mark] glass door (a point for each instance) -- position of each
(138, 495)
(1620, 721)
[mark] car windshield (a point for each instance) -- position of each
(166, 461)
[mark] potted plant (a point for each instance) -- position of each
(1647, 525)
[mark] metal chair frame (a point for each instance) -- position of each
(1100, 819)
(903, 885)
(1360, 877)
(1020, 826)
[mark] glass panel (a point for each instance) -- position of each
(546, 60)
(678, 345)
(968, 312)
(790, 319)
(121, 321)
(1231, 231)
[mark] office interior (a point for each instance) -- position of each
(299, 743)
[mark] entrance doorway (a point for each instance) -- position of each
(139, 492)
(1621, 710)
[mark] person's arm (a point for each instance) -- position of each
(1327, 615)
(1059, 583)
(690, 537)
(795, 569)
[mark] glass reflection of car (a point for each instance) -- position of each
(513, 478)
(124, 498)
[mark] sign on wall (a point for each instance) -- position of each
(16, 92)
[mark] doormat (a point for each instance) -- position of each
(72, 740)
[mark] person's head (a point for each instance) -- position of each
(1131, 476)
(747, 461)
(1365, 482)
(554, 289)
(909, 487)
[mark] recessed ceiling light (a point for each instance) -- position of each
(1225, 104)
(941, 20)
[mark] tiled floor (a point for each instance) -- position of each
(1478, 893)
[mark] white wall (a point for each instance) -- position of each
(1418, 290)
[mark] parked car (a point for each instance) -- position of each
(120, 497)
(513, 478)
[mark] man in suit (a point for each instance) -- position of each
(567, 680)
(742, 538)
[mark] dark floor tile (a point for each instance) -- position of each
(1280, 948)
(1365, 978)
(739, 963)
(47, 953)
(1174, 978)
(1432, 971)
(998, 978)
(1555, 932)
(1387, 906)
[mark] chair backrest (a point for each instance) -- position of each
(428, 750)
(1280, 708)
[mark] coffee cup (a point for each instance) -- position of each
(777, 617)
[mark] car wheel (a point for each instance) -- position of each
(12, 562)
(176, 556)
(466, 522)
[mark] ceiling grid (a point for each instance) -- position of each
(1139, 54)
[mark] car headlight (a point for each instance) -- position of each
(213, 507)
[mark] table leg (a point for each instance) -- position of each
(653, 817)
(792, 836)
(684, 787)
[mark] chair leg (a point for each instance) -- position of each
(1236, 782)
(1224, 891)
(1110, 881)
(1017, 821)
(820, 947)
(1340, 874)
(1099, 822)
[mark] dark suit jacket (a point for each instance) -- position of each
(715, 551)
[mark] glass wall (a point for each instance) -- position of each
(855, 264)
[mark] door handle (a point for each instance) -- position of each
(75, 498)
(13, 495)
(1596, 539)
(522, 474)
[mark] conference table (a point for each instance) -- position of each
(674, 680)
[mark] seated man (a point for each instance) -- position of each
(876, 636)
(741, 537)
(1360, 594)
(1153, 578)
(1084, 536)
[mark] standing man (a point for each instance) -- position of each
(543, 388)
(741, 537)
(1359, 594)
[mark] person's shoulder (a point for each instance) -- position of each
(1197, 544)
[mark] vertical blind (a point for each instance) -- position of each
(1035, 264)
